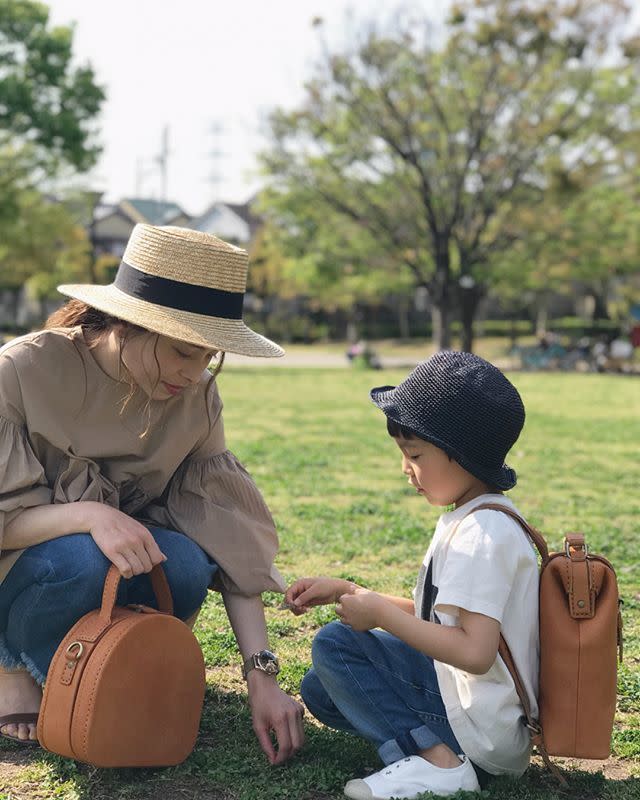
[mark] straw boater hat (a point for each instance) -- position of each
(184, 284)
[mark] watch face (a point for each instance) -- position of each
(267, 662)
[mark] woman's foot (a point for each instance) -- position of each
(412, 776)
(19, 694)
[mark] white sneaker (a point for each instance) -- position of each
(411, 776)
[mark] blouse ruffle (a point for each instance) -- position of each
(217, 503)
(22, 476)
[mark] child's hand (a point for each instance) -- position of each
(319, 591)
(361, 609)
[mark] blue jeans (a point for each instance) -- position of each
(374, 685)
(55, 583)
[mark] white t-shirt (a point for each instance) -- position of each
(485, 563)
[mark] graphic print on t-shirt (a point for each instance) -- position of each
(429, 594)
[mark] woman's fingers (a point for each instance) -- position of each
(134, 562)
(155, 554)
(121, 564)
(296, 728)
(264, 738)
(283, 736)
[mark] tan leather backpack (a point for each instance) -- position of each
(126, 685)
(580, 638)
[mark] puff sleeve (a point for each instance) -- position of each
(23, 483)
(212, 499)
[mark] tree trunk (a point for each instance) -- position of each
(354, 320)
(541, 318)
(469, 297)
(600, 296)
(352, 332)
(441, 323)
(440, 291)
(403, 320)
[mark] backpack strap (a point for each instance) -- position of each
(536, 537)
(535, 729)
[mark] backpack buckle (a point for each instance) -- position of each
(573, 548)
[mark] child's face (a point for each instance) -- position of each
(438, 478)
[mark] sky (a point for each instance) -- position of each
(210, 70)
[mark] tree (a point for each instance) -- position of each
(46, 112)
(340, 269)
(44, 101)
(583, 229)
(42, 243)
(425, 151)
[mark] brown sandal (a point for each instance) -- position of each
(17, 719)
(26, 718)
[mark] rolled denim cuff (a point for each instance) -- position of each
(408, 743)
(33, 670)
(7, 658)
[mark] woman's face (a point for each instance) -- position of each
(164, 367)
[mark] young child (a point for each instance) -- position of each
(421, 678)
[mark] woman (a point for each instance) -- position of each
(113, 452)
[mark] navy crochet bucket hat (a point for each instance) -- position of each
(463, 405)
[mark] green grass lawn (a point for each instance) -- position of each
(320, 453)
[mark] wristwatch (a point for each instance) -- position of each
(265, 661)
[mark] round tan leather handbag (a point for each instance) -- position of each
(126, 685)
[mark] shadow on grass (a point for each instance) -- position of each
(227, 764)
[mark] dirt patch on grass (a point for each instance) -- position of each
(19, 780)
(613, 769)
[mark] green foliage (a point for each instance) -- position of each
(409, 161)
(584, 228)
(47, 108)
(42, 242)
(43, 99)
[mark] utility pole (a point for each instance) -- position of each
(215, 177)
(153, 165)
(142, 173)
(162, 161)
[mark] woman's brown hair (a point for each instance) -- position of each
(95, 324)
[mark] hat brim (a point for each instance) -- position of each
(230, 335)
(503, 477)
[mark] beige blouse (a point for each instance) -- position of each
(64, 437)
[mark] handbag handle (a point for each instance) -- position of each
(159, 584)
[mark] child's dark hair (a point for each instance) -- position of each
(399, 431)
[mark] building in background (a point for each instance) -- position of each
(115, 221)
(233, 222)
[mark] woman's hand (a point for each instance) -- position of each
(272, 710)
(123, 540)
(307, 592)
(361, 609)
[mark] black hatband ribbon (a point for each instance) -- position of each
(178, 295)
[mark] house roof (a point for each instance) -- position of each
(241, 210)
(153, 212)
